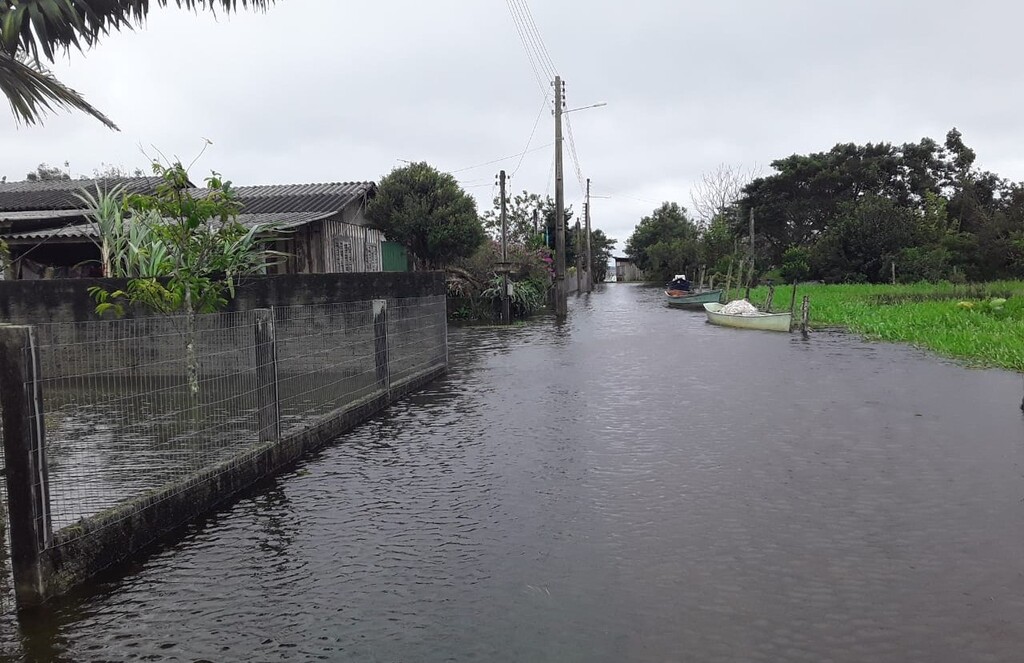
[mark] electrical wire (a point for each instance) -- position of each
(527, 47)
(534, 38)
(574, 155)
(525, 8)
(494, 161)
(536, 123)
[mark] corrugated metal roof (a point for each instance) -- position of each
(325, 197)
(63, 194)
(283, 220)
(37, 215)
(77, 231)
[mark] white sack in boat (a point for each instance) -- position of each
(739, 307)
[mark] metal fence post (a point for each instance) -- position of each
(28, 495)
(381, 359)
(268, 402)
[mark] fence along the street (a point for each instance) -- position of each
(129, 444)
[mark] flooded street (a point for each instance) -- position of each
(633, 485)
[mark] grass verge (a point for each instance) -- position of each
(962, 321)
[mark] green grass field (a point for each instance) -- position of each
(963, 321)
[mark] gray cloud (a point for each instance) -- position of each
(320, 90)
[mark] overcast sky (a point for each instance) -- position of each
(337, 90)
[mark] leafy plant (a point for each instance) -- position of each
(181, 253)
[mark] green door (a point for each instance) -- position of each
(394, 257)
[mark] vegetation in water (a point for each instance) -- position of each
(980, 323)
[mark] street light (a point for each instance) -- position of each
(597, 105)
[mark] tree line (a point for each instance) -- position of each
(856, 213)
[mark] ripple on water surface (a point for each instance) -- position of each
(633, 485)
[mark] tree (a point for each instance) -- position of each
(428, 212)
(35, 30)
(718, 191)
(868, 236)
(601, 247)
(664, 242)
(45, 173)
(182, 254)
(112, 171)
(520, 213)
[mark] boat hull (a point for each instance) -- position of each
(763, 321)
(696, 300)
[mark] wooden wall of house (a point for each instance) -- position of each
(339, 244)
(350, 248)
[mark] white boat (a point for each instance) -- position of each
(764, 321)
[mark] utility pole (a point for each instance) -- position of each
(561, 306)
(751, 241)
(590, 268)
(579, 264)
(506, 316)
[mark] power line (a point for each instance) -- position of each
(526, 47)
(529, 15)
(533, 37)
(489, 163)
(574, 155)
(536, 123)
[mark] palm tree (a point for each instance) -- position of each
(32, 31)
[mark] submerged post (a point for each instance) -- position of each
(28, 494)
(381, 362)
(805, 315)
(792, 300)
(267, 397)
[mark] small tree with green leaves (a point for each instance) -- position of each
(428, 212)
(181, 253)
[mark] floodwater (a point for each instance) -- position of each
(633, 485)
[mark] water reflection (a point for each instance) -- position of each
(634, 485)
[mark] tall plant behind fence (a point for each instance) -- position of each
(124, 428)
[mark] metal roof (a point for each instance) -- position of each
(326, 197)
(283, 220)
(63, 194)
(38, 215)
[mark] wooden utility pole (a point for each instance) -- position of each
(590, 267)
(561, 305)
(506, 315)
(579, 262)
(751, 241)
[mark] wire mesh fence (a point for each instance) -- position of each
(142, 405)
(417, 335)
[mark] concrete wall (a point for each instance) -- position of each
(349, 343)
(68, 300)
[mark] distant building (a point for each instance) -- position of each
(323, 227)
(626, 271)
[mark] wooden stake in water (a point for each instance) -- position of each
(728, 280)
(792, 301)
(768, 299)
(805, 315)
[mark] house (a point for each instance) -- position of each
(320, 227)
(626, 271)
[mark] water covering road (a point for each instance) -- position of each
(634, 485)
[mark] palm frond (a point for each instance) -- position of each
(43, 27)
(33, 92)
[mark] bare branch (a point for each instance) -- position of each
(719, 189)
